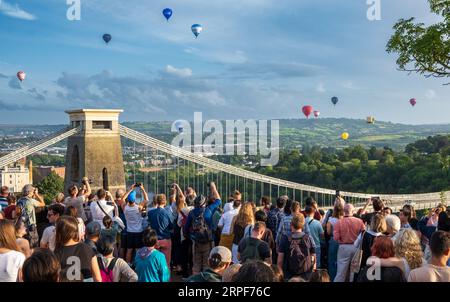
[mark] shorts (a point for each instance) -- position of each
(134, 240)
(123, 239)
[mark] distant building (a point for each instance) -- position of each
(41, 172)
(15, 177)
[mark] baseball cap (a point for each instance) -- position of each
(224, 253)
(93, 228)
(132, 196)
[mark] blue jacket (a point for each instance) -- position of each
(160, 220)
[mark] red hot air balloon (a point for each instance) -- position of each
(413, 102)
(21, 75)
(316, 113)
(307, 110)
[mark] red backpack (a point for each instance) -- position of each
(106, 272)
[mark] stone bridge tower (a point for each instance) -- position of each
(96, 151)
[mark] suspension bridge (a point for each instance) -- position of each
(169, 164)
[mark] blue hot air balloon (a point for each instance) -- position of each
(196, 29)
(334, 100)
(107, 38)
(167, 12)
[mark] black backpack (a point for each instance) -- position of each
(251, 251)
(200, 230)
(299, 259)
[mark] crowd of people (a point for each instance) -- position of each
(191, 237)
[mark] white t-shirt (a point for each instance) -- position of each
(133, 218)
(98, 214)
(228, 207)
(226, 220)
(48, 237)
(10, 263)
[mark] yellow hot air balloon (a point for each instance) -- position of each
(345, 136)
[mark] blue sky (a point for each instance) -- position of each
(254, 59)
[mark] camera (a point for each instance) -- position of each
(138, 184)
(110, 203)
(338, 193)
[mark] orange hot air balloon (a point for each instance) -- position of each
(307, 110)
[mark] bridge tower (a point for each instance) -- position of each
(95, 151)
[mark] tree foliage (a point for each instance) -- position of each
(423, 167)
(424, 49)
(50, 186)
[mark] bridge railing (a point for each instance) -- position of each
(392, 199)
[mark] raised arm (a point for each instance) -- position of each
(88, 187)
(144, 192)
(214, 191)
(38, 198)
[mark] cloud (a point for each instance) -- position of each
(430, 94)
(36, 94)
(183, 72)
(276, 70)
(349, 85)
(15, 11)
(321, 88)
(14, 83)
(30, 106)
(2, 76)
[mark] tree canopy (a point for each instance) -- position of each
(424, 49)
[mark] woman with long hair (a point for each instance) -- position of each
(70, 252)
(21, 232)
(11, 258)
(244, 218)
(382, 248)
(183, 255)
(73, 212)
(408, 253)
(333, 245)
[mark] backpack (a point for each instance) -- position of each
(21, 212)
(106, 272)
(251, 251)
(272, 220)
(200, 230)
(299, 258)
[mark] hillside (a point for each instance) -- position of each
(293, 132)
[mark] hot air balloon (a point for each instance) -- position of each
(167, 12)
(334, 100)
(107, 38)
(370, 120)
(316, 113)
(196, 29)
(179, 126)
(21, 75)
(413, 102)
(345, 136)
(307, 110)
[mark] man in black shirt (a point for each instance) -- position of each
(253, 248)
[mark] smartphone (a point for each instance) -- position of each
(338, 193)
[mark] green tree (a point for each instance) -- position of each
(50, 186)
(423, 49)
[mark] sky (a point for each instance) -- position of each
(255, 59)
